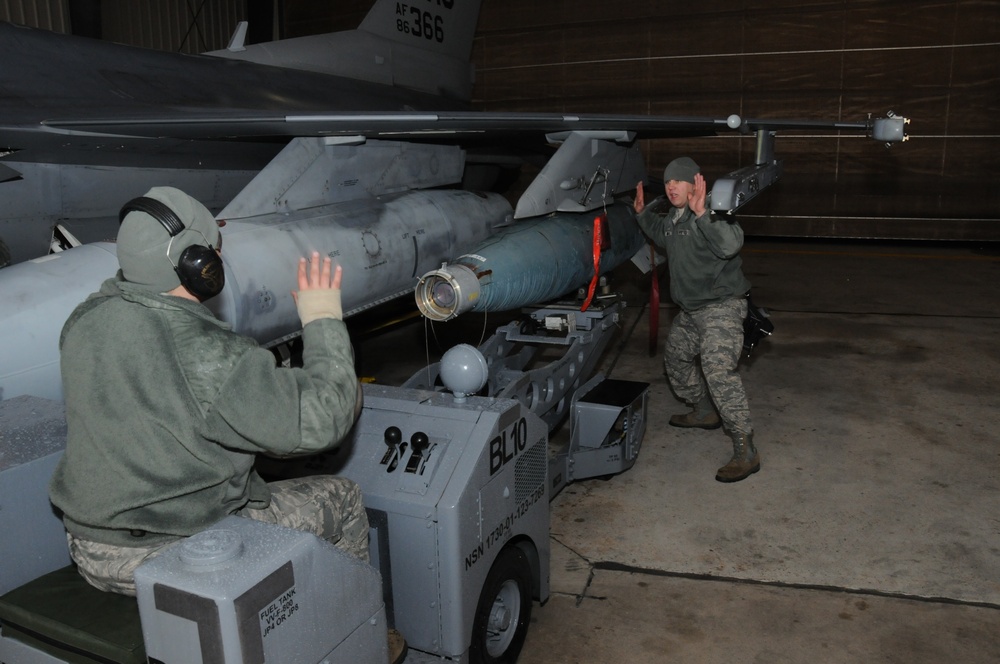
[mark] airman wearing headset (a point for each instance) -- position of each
(167, 407)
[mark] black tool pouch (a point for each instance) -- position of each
(756, 325)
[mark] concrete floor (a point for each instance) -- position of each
(872, 531)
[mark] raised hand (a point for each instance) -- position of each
(319, 289)
(696, 199)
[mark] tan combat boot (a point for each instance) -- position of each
(702, 416)
(745, 461)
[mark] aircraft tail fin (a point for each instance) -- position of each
(420, 45)
(440, 26)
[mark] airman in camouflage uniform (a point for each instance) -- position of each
(708, 284)
(167, 408)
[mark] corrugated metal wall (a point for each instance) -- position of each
(168, 25)
(48, 14)
(310, 17)
(172, 25)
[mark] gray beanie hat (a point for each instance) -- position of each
(143, 241)
(682, 169)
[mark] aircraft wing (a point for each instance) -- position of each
(235, 124)
(72, 95)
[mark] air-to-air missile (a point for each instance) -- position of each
(531, 262)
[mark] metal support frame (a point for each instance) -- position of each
(547, 389)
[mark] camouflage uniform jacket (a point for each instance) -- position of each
(167, 407)
(702, 254)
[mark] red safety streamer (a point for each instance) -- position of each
(600, 242)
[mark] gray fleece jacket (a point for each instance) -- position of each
(167, 407)
(702, 254)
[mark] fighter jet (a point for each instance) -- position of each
(356, 143)
(87, 124)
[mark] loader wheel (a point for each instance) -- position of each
(504, 610)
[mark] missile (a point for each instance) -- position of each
(384, 244)
(383, 247)
(530, 262)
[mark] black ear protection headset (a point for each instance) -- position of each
(199, 267)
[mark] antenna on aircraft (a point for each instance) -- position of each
(236, 43)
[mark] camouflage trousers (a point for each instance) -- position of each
(700, 358)
(329, 507)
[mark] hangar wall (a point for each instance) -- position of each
(169, 25)
(166, 25)
(937, 61)
(48, 14)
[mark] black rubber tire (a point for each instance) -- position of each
(504, 610)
